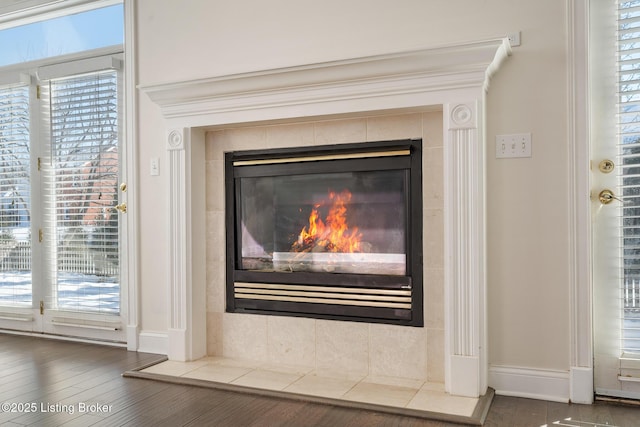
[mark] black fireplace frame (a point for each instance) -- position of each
(403, 155)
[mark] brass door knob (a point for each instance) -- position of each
(606, 166)
(122, 208)
(607, 196)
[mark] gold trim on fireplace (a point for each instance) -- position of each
(389, 298)
(321, 288)
(326, 157)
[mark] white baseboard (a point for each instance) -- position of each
(153, 342)
(539, 384)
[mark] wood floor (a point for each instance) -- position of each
(50, 383)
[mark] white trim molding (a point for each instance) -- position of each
(464, 249)
(187, 312)
(153, 342)
(581, 378)
(530, 383)
(130, 174)
(454, 78)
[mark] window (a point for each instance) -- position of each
(15, 195)
(81, 175)
(629, 161)
(60, 137)
(68, 34)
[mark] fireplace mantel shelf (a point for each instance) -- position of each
(269, 94)
(452, 78)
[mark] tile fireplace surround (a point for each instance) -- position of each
(437, 94)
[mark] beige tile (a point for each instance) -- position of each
(269, 380)
(381, 394)
(342, 349)
(394, 381)
(433, 178)
(341, 131)
(174, 368)
(240, 138)
(436, 401)
(398, 351)
(212, 150)
(431, 386)
(286, 369)
(240, 363)
(434, 298)
(435, 355)
(293, 135)
(214, 191)
(216, 301)
(292, 341)
(214, 334)
(244, 336)
(217, 373)
(432, 129)
(215, 235)
(394, 127)
(433, 238)
(339, 375)
(314, 385)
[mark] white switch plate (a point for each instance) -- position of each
(514, 39)
(154, 166)
(515, 145)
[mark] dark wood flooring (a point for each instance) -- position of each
(45, 382)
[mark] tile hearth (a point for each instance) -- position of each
(388, 394)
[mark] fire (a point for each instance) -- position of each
(332, 234)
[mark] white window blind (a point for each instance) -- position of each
(15, 195)
(629, 161)
(82, 180)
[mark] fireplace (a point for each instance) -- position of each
(331, 232)
(454, 79)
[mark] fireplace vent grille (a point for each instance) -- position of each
(387, 298)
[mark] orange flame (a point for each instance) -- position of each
(334, 234)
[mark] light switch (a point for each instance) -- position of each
(515, 145)
(155, 166)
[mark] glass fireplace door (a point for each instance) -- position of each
(327, 232)
(347, 222)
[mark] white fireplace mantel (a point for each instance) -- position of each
(454, 78)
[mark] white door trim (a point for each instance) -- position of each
(581, 371)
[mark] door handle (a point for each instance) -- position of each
(122, 208)
(606, 166)
(607, 196)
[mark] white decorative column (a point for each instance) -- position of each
(465, 339)
(187, 323)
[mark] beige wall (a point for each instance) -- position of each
(528, 251)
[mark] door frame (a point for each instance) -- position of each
(581, 284)
(129, 163)
(40, 317)
(581, 297)
(129, 253)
